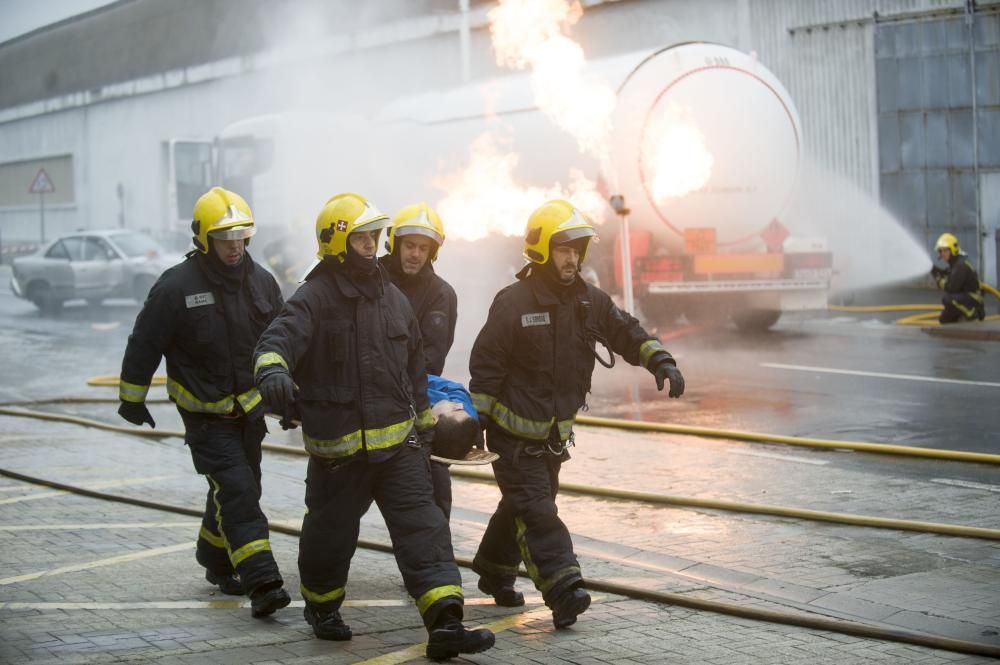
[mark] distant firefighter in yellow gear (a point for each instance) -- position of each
(963, 297)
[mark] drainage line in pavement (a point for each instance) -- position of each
(610, 492)
(660, 597)
(592, 421)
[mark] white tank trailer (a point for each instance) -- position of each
(717, 251)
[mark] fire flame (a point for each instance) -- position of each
(675, 156)
(485, 198)
(531, 33)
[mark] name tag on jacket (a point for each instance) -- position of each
(538, 319)
(199, 299)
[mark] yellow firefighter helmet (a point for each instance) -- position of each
(343, 215)
(948, 241)
(556, 221)
(221, 214)
(417, 219)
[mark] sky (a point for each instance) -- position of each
(20, 16)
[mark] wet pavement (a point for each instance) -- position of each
(89, 581)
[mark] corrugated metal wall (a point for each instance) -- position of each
(824, 54)
(939, 120)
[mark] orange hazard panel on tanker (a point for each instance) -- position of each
(699, 241)
(739, 263)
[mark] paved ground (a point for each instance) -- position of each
(87, 581)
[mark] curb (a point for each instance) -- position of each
(976, 332)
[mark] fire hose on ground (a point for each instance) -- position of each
(595, 584)
(608, 492)
(929, 314)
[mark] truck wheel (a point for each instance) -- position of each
(44, 299)
(660, 310)
(141, 287)
(709, 314)
(756, 320)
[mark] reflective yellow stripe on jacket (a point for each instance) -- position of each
(519, 426)
(187, 401)
(132, 392)
(647, 350)
(425, 420)
(345, 446)
(269, 358)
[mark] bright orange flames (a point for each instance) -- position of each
(531, 33)
(675, 156)
(484, 197)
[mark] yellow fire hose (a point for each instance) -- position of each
(879, 448)
(927, 318)
(111, 381)
(664, 428)
(601, 492)
(812, 622)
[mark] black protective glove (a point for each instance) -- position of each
(668, 372)
(136, 413)
(278, 391)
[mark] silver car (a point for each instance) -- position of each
(92, 265)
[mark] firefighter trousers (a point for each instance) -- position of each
(441, 478)
(962, 307)
(526, 525)
(338, 495)
(234, 532)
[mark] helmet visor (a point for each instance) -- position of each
(233, 233)
(569, 235)
(420, 231)
(371, 219)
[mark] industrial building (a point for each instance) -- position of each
(901, 98)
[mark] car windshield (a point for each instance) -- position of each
(137, 244)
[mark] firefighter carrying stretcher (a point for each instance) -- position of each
(531, 369)
(347, 341)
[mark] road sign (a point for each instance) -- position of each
(42, 184)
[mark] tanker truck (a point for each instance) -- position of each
(706, 236)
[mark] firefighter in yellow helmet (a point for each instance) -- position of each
(531, 369)
(413, 243)
(963, 297)
(204, 316)
(346, 349)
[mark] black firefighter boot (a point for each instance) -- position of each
(503, 595)
(448, 638)
(568, 606)
(327, 625)
(228, 583)
(268, 598)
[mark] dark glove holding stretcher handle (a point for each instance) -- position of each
(278, 391)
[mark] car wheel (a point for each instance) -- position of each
(141, 287)
(44, 299)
